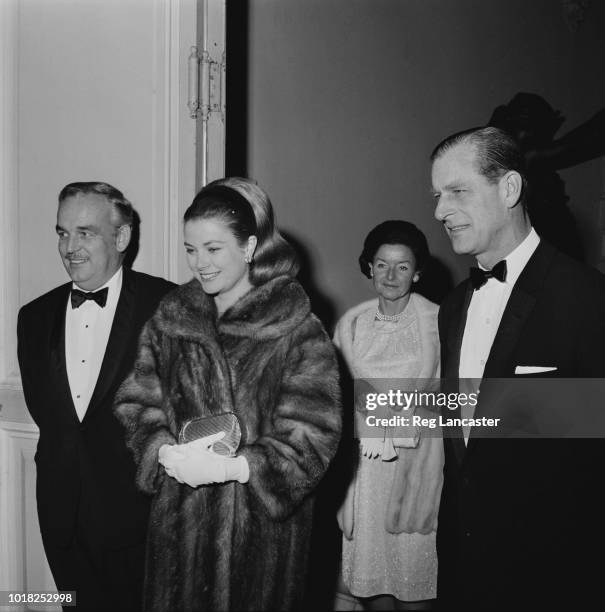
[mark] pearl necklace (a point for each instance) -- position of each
(382, 317)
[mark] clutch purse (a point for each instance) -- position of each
(200, 427)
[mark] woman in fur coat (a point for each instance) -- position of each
(232, 533)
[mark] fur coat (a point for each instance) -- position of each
(233, 546)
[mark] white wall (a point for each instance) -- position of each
(347, 98)
(92, 106)
(89, 90)
(92, 90)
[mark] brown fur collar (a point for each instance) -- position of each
(266, 312)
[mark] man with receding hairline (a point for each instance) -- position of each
(519, 520)
(76, 345)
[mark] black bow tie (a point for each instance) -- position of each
(479, 277)
(79, 297)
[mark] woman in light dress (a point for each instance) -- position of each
(389, 516)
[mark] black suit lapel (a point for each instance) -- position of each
(118, 341)
(455, 332)
(520, 305)
(58, 364)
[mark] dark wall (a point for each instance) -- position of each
(340, 103)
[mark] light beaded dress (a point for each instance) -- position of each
(374, 561)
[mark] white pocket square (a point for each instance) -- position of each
(534, 369)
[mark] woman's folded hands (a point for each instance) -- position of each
(195, 464)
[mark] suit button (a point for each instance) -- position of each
(467, 481)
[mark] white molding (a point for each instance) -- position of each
(9, 220)
(23, 565)
(174, 32)
(183, 130)
(17, 444)
(213, 130)
(158, 136)
(162, 160)
(11, 382)
(172, 220)
(16, 429)
(210, 148)
(6, 543)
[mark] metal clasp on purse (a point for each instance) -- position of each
(200, 427)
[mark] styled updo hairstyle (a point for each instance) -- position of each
(394, 232)
(246, 210)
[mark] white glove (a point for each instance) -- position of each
(195, 464)
(371, 447)
(168, 455)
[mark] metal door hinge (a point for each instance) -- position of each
(206, 93)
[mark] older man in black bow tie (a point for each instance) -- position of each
(519, 518)
(76, 345)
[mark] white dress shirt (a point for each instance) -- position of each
(87, 330)
(485, 313)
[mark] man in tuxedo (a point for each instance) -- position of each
(520, 518)
(76, 345)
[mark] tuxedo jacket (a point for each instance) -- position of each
(520, 519)
(85, 474)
